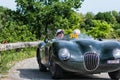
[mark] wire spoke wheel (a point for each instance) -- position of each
(41, 66)
(56, 71)
(114, 75)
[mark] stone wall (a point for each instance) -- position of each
(9, 46)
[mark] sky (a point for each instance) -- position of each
(8, 3)
(94, 6)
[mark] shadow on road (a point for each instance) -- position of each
(35, 74)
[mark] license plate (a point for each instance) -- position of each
(113, 61)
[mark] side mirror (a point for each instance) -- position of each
(46, 41)
(99, 39)
(42, 45)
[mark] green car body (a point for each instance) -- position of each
(84, 56)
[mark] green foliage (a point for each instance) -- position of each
(9, 58)
(101, 29)
(2, 17)
(87, 24)
(116, 26)
(39, 18)
(74, 3)
(89, 15)
(115, 13)
(106, 16)
(68, 31)
(118, 31)
(118, 18)
(62, 17)
(14, 33)
(45, 16)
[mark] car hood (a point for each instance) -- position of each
(78, 47)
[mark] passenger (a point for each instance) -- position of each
(76, 31)
(59, 34)
(75, 34)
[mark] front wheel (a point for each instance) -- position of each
(115, 75)
(41, 66)
(56, 71)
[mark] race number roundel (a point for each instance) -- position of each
(73, 35)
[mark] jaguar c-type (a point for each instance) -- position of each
(80, 54)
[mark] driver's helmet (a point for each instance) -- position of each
(59, 31)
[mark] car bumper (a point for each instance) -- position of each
(80, 68)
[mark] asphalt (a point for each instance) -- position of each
(28, 70)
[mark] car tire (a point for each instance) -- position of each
(41, 66)
(114, 75)
(56, 71)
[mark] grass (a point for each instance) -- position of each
(9, 58)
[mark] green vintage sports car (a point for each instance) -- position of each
(81, 54)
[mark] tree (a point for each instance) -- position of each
(87, 24)
(3, 17)
(116, 28)
(115, 13)
(101, 29)
(89, 15)
(106, 16)
(118, 19)
(15, 33)
(44, 16)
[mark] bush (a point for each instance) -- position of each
(15, 33)
(101, 29)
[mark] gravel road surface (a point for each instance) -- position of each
(28, 70)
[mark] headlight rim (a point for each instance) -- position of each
(64, 54)
(116, 53)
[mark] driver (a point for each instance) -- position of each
(59, 34)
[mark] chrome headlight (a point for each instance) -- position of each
(116, 53)
(64, 54)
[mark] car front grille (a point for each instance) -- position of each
(91, 61)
